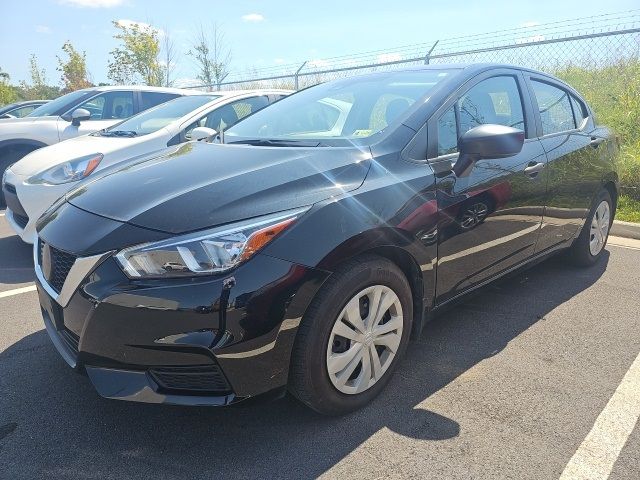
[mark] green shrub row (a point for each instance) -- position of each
(614, 94)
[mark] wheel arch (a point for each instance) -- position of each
(401, 248)
(612, 187)
(413, 274)
(17, 144)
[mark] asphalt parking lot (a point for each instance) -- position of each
(508, 385)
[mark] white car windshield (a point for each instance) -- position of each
(354, 108)
(59, 103)
(155, 118)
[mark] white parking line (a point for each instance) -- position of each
(597, 454)
(17, 291)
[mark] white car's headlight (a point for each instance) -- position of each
(70, 171)
(205, 252)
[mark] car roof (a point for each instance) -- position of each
(259, 91)
(185, 91)
(469, 69)
(24, 102)
(143, 88)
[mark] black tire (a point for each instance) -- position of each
(309, 380)
(580, 253)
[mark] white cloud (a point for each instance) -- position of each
(253, 17)
(92, 3)
(124, 22)
(43, 29)
(389, 57)
(279, 61)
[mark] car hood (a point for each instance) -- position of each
(44, 158)
(199, 185)
(24, 122)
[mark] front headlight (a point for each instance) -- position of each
(205, 252)
(70, 171)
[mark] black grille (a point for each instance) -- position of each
(21, 220)
(55, 266)
(10, 188)
(199, 379)
(70, 339)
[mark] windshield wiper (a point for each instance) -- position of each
(119, 133)
(265, 142)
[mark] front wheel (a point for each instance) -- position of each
(352, 336)
(589, 246)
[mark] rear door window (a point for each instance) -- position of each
(554, 106)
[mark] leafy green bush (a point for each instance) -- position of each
(614, 94)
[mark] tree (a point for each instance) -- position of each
(168, 58)
(38, 88)
(211, 55)
(74, 70)
(7, 93)
(137, 60)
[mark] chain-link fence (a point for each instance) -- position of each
(592, 42)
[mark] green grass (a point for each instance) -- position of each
(614, 94)
(628, 209)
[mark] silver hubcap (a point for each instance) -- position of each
(474, 215)
(599, 228)
(365, 339)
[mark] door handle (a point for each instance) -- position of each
(596, 141)
(533, 169)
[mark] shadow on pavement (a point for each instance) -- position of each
(16, 260)
(54, 425)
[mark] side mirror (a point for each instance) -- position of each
(78, 115)
(487, 141)
(200, 133)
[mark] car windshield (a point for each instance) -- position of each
(59, 103)
(159, 117)
(353, 108)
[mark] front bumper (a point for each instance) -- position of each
(27, 202)
(198, 341)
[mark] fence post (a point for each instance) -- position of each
(297, 73)
(428, 55)
(221, 80)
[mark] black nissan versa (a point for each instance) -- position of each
(302, 248)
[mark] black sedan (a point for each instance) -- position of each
(301, 250)
(20, 109)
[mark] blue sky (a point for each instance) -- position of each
(263, 34)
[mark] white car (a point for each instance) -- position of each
(77, 113)
(33, 184)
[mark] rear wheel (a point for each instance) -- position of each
(589, 246)
(352, 336)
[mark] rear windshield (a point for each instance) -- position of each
(159, 117)
(60, 104)
(348, 109)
